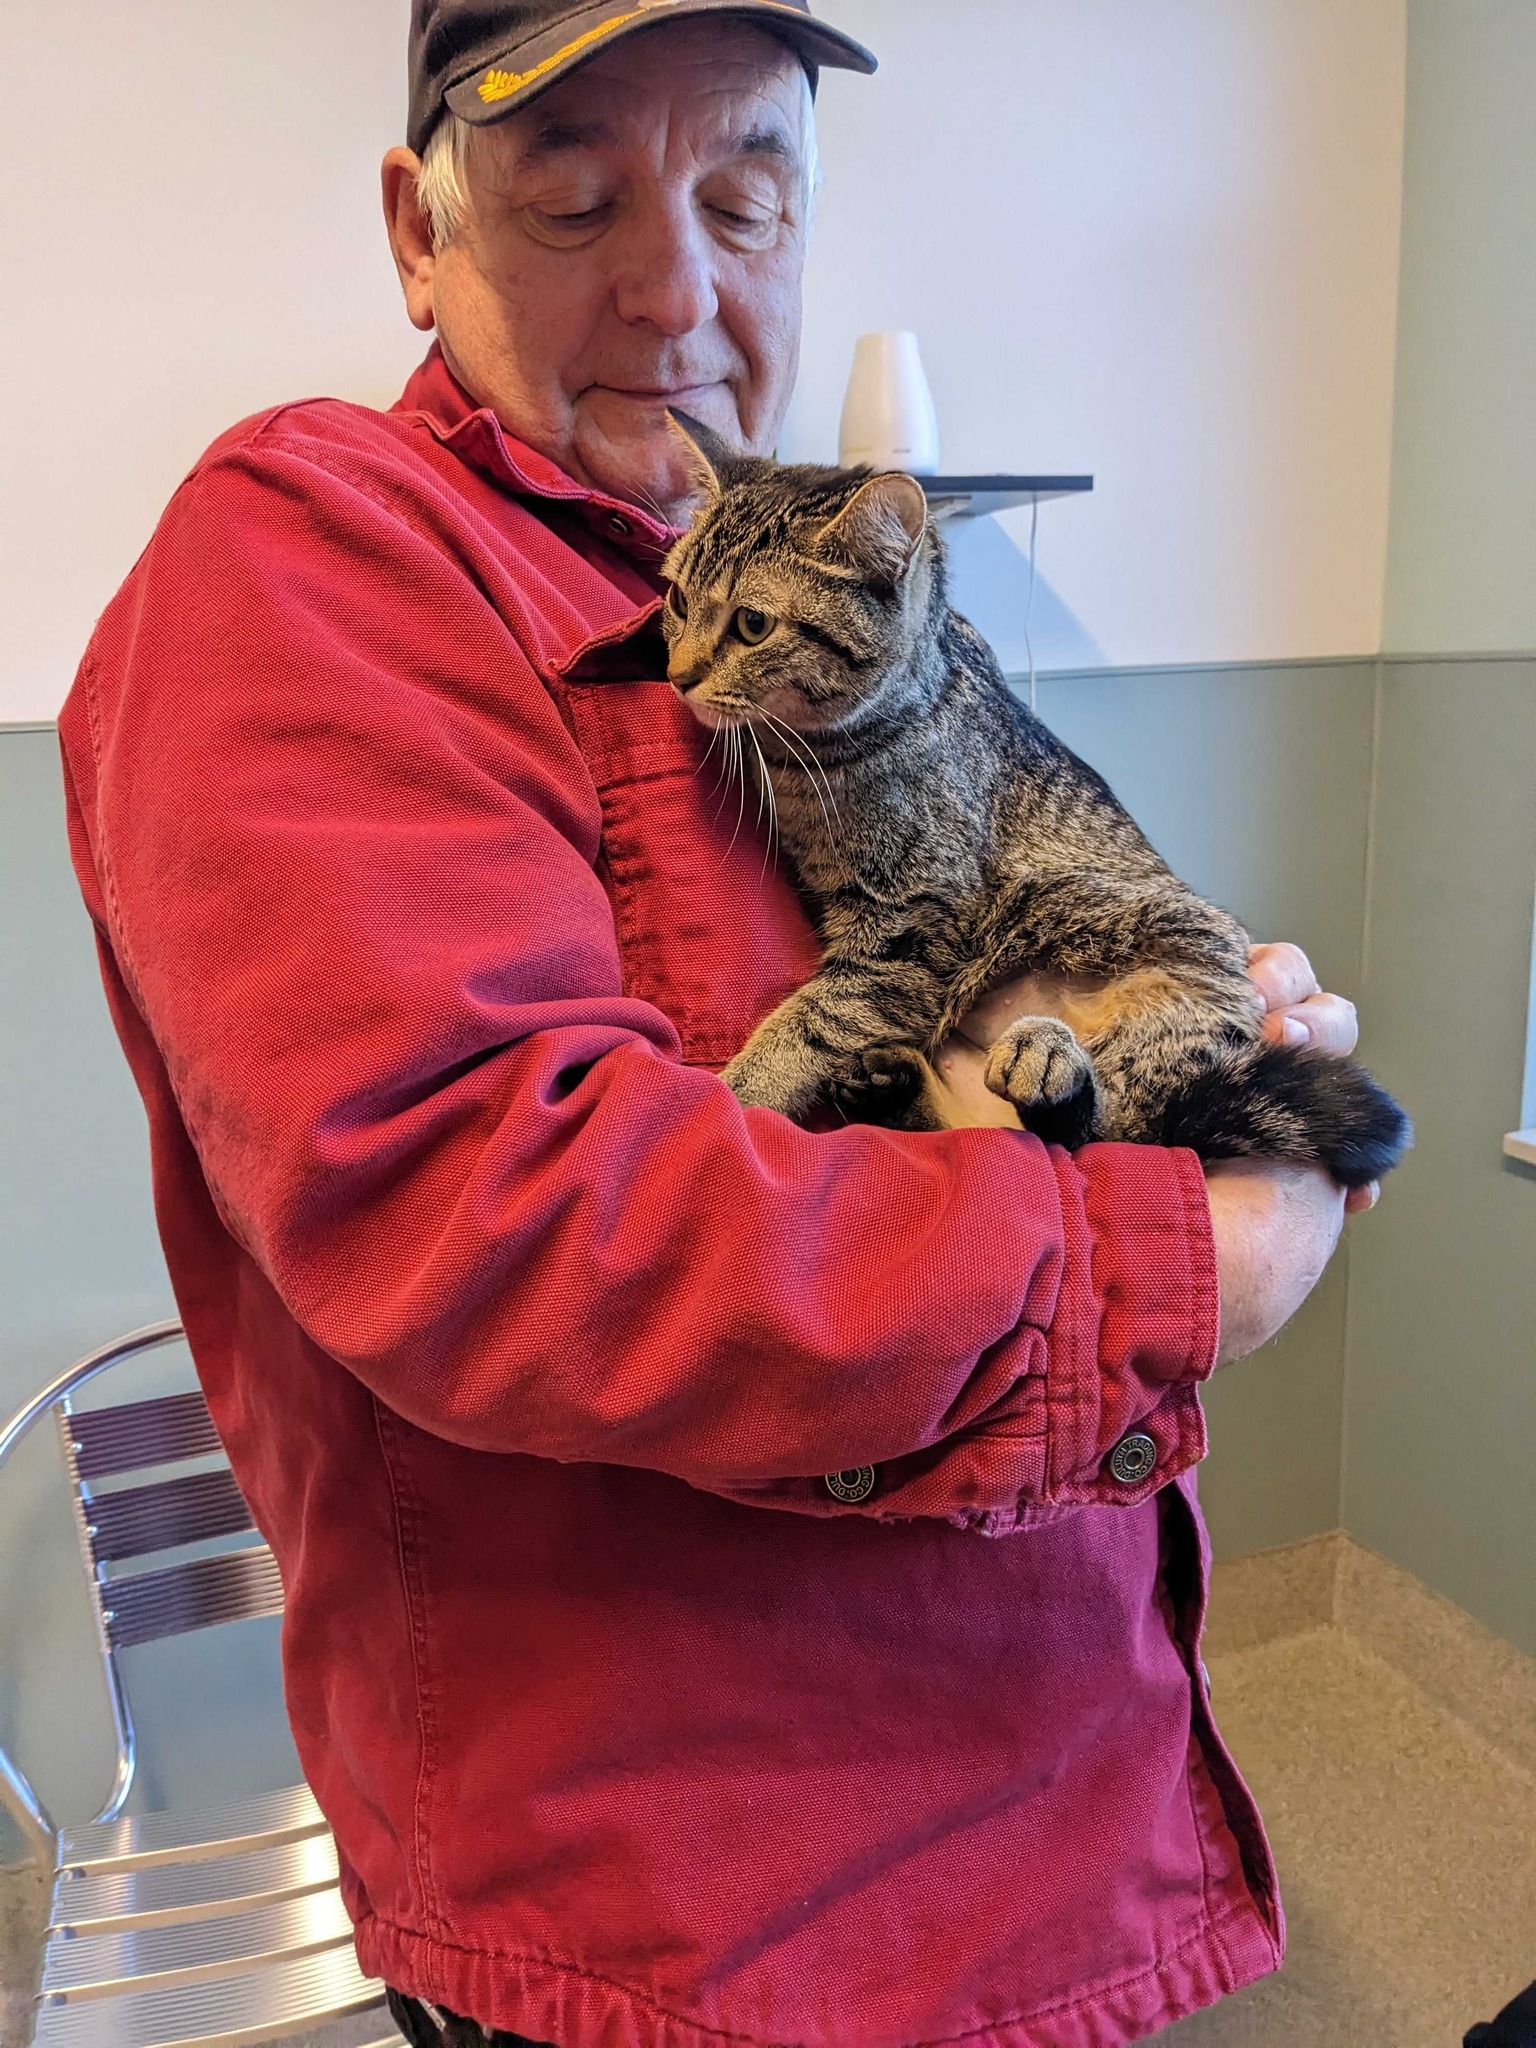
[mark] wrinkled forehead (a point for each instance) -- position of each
(716, 89)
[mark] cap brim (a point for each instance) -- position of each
(519, 74)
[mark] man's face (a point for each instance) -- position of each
(635, 240)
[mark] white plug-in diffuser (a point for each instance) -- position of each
(888, 417)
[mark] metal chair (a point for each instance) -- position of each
(176, 1930)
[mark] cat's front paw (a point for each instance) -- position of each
(1039, 1066)
(763, 1082)
(885, 1084)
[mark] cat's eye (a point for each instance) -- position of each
(677, 600)
(753, 626)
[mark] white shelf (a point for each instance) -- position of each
(1522, 1145)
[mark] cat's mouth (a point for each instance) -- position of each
(711, 712)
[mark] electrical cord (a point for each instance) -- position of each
(1029, 602)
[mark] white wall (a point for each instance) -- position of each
(1464, 467)
(194, 232)
(1156, 239)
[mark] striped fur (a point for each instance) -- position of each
(946, 841)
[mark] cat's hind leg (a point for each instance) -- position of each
(1039, 1065)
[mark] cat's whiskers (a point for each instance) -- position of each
(703, 759)
(766, 788)
(805, 754)
(739, 762)
(647, 503)
(806, 759)
(723, 772)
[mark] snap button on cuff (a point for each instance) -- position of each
(619, 526)
(1133, 1458)
(854, 1485)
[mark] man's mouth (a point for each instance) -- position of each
(661, 394)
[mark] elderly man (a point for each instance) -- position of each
(744, 1583)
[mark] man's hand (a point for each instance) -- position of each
(1297, 1012)
(1275, 1229)
(1275, 1226)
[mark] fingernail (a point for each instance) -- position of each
(1296, 1033)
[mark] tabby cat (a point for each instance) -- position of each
(946, 841)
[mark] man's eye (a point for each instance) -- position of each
(755, 221)
(753, 626)
(574, 220)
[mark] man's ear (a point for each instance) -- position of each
(409, 236)
(879, 530)
(707, 453)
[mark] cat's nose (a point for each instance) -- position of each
(686, 679)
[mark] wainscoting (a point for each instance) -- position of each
(1378, 813)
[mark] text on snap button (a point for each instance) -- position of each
(1133, 1459)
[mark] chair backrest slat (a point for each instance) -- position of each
(136, 1520)
(140, 1433)
(233, 1587)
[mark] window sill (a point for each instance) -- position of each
(1522, 1145)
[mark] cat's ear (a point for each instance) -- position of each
(707, 453)
(880, 529)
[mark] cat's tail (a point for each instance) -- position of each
(1259, 1100)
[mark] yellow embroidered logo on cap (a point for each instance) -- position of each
(500, 85)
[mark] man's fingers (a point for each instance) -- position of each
(1282, 974)
(1327, 1022)
(1297, 1011)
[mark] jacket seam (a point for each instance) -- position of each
(410, 1594)
(1205, 1302)
(1193, 1757)
(1207, 1925)
(118, 929)
(348, 471)
(594, 738)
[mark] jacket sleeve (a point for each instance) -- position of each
(342, 851)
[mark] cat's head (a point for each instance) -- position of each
(799, 592)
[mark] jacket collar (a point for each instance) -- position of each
(477, 437)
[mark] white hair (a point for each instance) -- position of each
(442, 185)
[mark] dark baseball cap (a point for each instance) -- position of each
(487, 58)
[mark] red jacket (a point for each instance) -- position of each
(424, 922)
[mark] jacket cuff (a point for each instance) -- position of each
(1101, 1407)
(1136, 1326)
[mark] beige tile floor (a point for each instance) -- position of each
(1400, 1797)
(1407, 1851)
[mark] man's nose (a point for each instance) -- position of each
(668, 277)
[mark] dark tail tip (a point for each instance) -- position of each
(1265, 1101)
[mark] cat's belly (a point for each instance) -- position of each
(1089, 1004)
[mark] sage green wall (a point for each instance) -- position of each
(1440, 1433)
(79, 1264)
(1253, 781)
